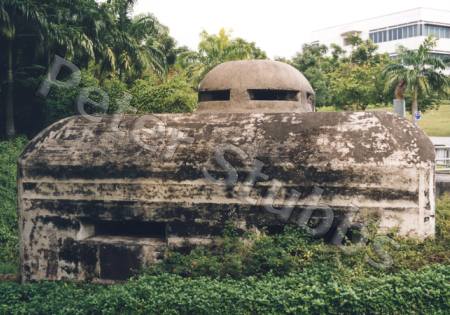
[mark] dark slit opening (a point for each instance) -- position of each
(211, 96)
(130, 228)
(273, 95)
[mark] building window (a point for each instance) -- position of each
(438, 31)
(410, 31)
(414, 30)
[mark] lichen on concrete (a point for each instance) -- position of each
(77, 176)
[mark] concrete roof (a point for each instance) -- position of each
(259, 74)
(240, 76)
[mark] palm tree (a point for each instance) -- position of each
(146, 31)
(17, 15)
(132, 43)
(73, 29)
(53, 27)
(215, 49)
(422, 72)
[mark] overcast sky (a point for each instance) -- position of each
(279, 27)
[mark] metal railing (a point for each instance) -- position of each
(442, 158)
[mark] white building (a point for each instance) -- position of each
(407, 28)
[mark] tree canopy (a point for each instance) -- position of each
(214, 49)
(421, 72)
(135, 60)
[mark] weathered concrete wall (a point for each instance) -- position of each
(77, 175)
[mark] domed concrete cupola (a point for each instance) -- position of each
(255, 86)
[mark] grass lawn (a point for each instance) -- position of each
(435, 123)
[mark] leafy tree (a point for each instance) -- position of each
(355, 85)
(357, 81)
(337, 53)
(101, 38)
(312, 55)
(345, 79)
(72, 30)
(33, 33)
(313, 62)
(216, 49)
(365, 52)
(421, 71)
(135, 44)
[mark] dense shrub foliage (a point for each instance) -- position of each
(293, 251)
(172, 96)
(9, 152)
(148, 95)
(314, 291)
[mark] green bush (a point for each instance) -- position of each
(146, 96)
(268, 254)
(119, 97)
(316, 291)
(414, 254)
(248, 255)
(61, 102)
(9, 152)
(172, 96)
(293, 251)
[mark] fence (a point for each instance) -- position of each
(442, 158)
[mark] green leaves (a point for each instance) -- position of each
(347, 82)
(9, 153)
(424, 292)
(356, 85)
(172, 96)
(215, 49)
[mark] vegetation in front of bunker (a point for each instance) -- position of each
(288, 272)
(314, 291)
(294, 251)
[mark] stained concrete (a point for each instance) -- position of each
(78, 171)
(100, 200)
